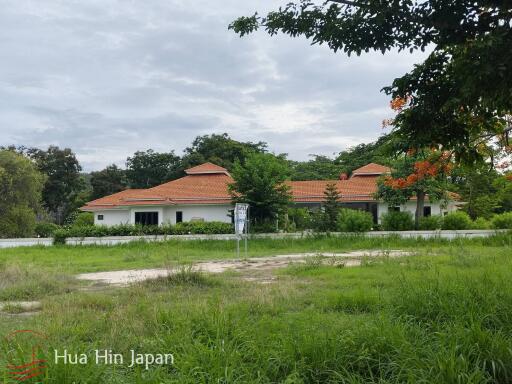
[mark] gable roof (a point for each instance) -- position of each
(208, 184)
(206, 168)
(371, 169)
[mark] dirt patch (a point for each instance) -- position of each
(20, 308)
(348, 259)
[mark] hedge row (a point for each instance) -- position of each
(207, 228)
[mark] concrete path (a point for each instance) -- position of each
(348, 259)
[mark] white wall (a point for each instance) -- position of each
(166, 214)
(410, 206)
(205, 212)
(112, 217)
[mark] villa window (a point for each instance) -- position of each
(179, 217)
(394, 209)
(100, 217)
(427, 211)
(146, 218)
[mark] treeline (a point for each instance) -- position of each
(48, 185)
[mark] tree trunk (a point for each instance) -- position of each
(420, 204)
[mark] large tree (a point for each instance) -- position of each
(458, 97)
(110, 180)
(418, 174)
(20, 194)
(147, 169)
(63, 182)
(220, 149)
(260, 181)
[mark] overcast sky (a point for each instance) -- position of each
(107, 78)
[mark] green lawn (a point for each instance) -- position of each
(444, 316)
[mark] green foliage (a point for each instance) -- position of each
(185, 228)
(45, 229)
(318, 168)
(83, 219)
(20, 194)
(330, 206)
(376, 152)
(431, 223)
(352, 220)
(502, 221)
(263, 227)
(457, 100)
(319, 221)
(397, 221)
(18, 221)
(63, 180)
(456, 221)
(147, 169)
(481, 223)
(221, 150)
(260, 182)
(107, 181)
(300, 217)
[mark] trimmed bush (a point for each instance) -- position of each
(481, 223)
(351, 220)
(209, 228)
(456, 221)
(45, 229)
(397, 221)
(431, 223)
(502, 221)
(83, 219)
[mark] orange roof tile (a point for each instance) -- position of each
(208, 184)
(371, 169)
(206, 168)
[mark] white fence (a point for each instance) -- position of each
(112, 240)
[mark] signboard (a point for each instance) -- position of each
(240, 218)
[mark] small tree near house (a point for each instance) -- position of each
(416, 175)
(330, 206)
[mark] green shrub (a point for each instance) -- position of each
(481, 223)
(265, 227)
(83, 219)
(431, 223)
(502, 221)
(301, 217)
(59, 236)
(351, 220)
(18, 221)
(319, 221)
(45, 229)
(397, 221)
(456, 221)
(209, 228)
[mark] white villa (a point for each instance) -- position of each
(202, 195)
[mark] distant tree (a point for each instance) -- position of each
(418, 174)
(380, 151)
(503, 196)
(318, 168)
(260, 181)
(63, 182)
(107, 181)
(221, 150)
(330, 206)
(148, 169)
(20, 194)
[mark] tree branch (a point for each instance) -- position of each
(348, 2)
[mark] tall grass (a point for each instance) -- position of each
(443, 316)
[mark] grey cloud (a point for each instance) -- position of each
(109, 77)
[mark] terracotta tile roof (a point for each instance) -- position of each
(208, 184)
(206, 168)
(371, 169)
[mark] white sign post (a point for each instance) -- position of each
(241, 225)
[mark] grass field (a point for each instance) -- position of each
(442, 316)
